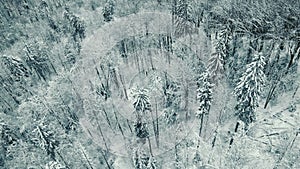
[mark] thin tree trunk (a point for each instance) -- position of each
(151, 60)
(294, 94)
(235, 131)
(201, 124)
(176, 154)
(100, 131)
(150, 148)
(85, 156)
(107, 118)
(123, 85)
(186, 99)
(120, 128)
(129, 125)
(157, 126)
(106, 78)
(154, 127)
(215, 138)
(52, 65)
(114, 76)
(62, 63)
(272, 89)
(205, 120)
(106, 162)
(63, 159)
(97, 71)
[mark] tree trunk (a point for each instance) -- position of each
(157, 128)
(123, 85)
(120, 127)
(107, 118)
(150, 148)
(100, 131)
(201, 124)
(235, 131)
(86, 158)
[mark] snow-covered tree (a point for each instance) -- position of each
(220, 52)
(141, 105)
(142, 160)
(44, 138)
(184, 22)
(249, 88)
(16, 67)
(37, 59)
(171, 93)
(108, 10)
(14, 76)
(76, 26)
(216, 65)
(204, 96)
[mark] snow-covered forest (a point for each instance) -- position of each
(149, 84)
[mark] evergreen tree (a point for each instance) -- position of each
(108, 10)
(204, 96)
(141, 105)
(37, 59)
(144, 161)
(249, 89)
(184, 22)
(16, 67)
(13, 81)
(45, 139)
(216, 65)
(140, 160)
(221, 49)
(76, 27)
(171, 93)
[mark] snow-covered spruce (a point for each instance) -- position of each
(204, 96)
(249, 88)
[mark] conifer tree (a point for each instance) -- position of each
(182, 11)
(45, 139)
(249, 88)
(142, 160)
(204, 96)
(141, 105)
(221, 49)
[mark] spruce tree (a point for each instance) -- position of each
(184, 22)
(45, 139)
(204, 96)
(249, 88)
(221, 49)
(141, 105)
